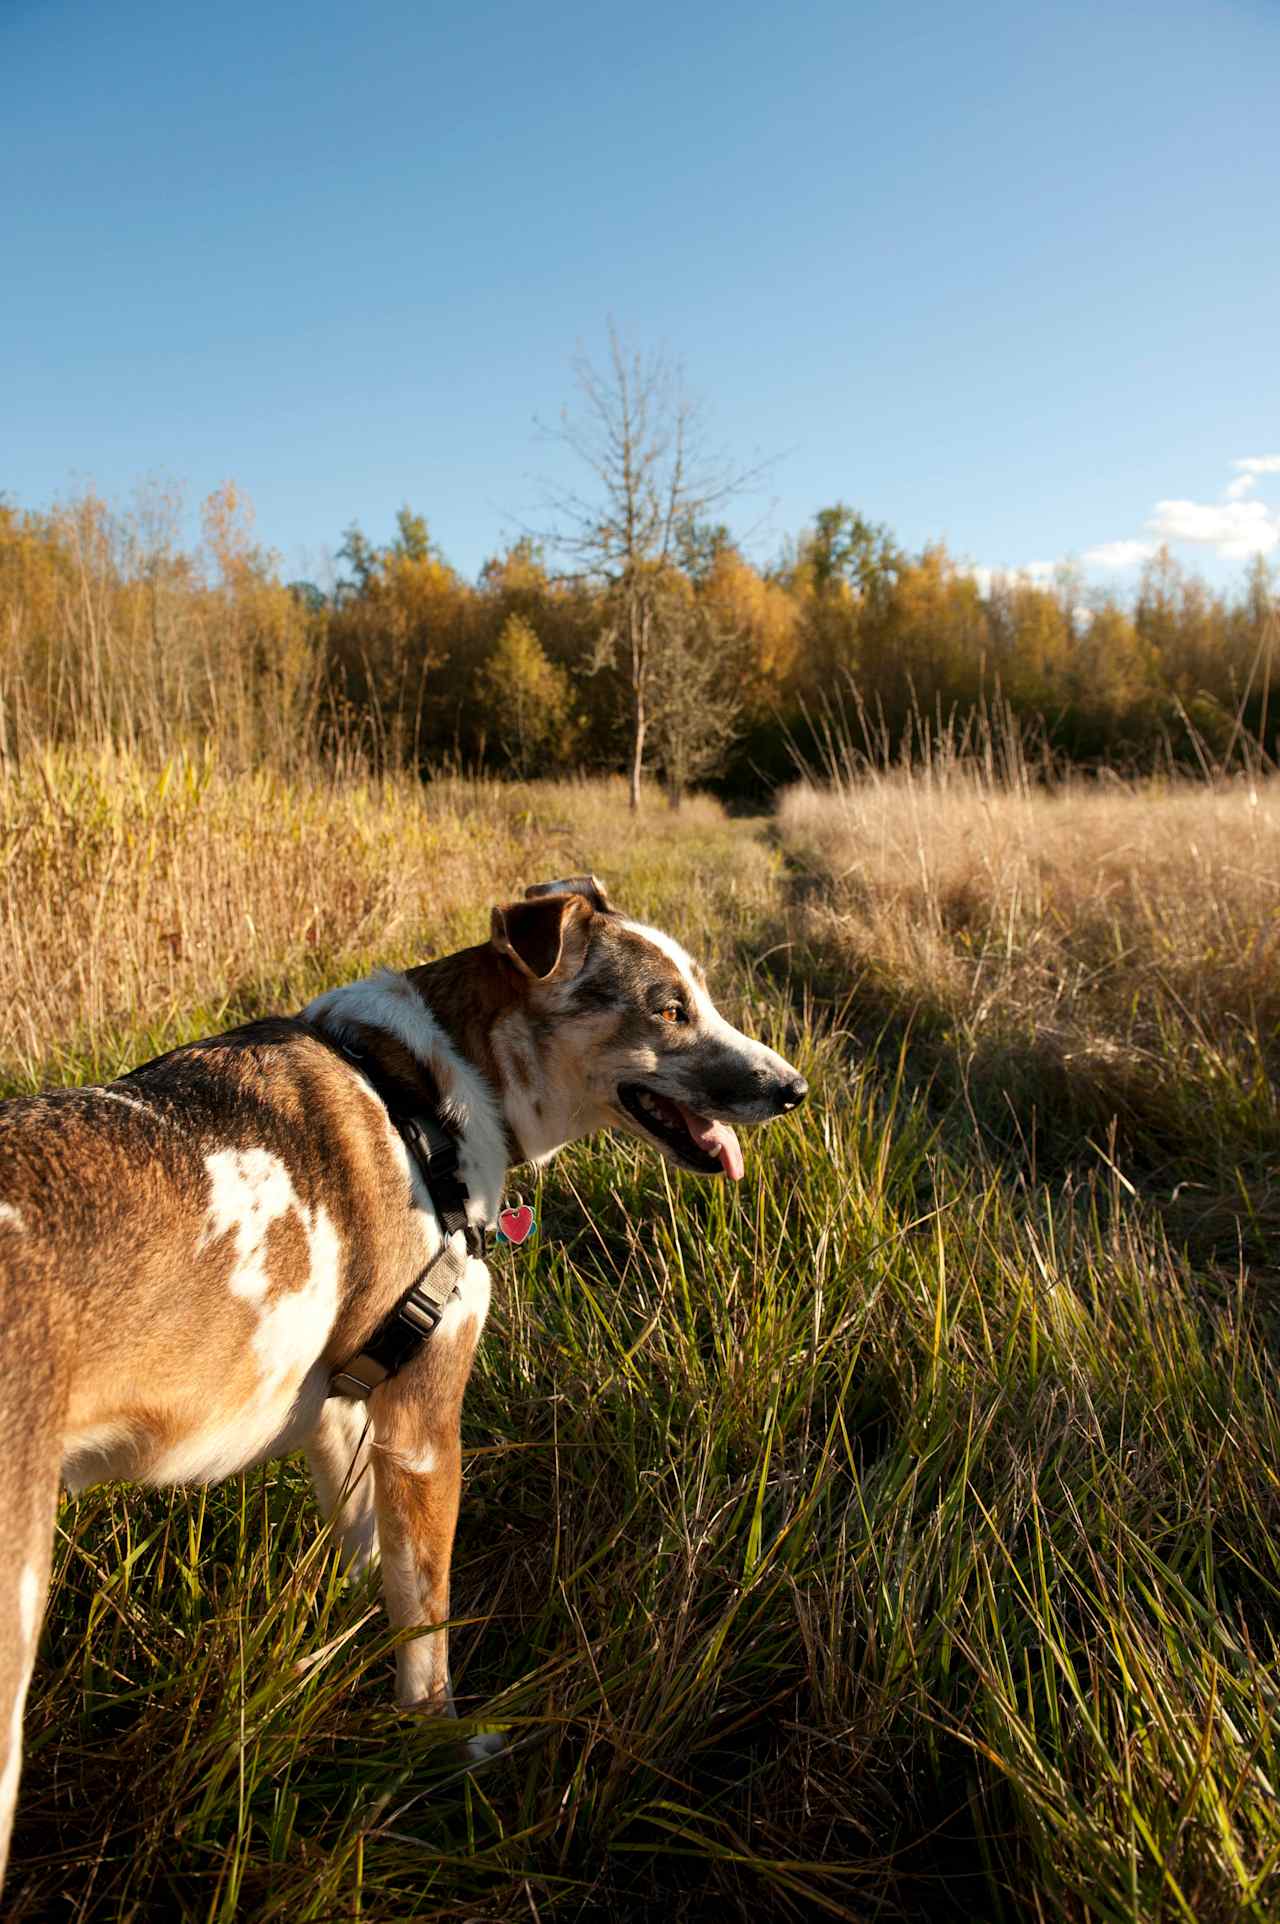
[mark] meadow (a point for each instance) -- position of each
(893, 1536)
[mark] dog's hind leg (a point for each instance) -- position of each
(338, 1452)
(31, 1479)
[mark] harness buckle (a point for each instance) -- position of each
(434, 1151)
(419, 1312)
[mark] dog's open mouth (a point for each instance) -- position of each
(696, 1140)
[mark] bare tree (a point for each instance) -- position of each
(641, 437)
(696, 700)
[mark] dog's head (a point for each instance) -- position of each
(622, 1016)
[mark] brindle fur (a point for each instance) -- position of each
(187, 1255)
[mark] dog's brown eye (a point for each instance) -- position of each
(673, 1013)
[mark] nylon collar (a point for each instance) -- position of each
(402, 1333)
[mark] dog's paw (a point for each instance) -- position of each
(481, 1747)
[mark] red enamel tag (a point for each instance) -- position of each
(517, 1224)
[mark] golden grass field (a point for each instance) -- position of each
(1086, 911)
(155, 901)
(1083, 958)
(893, 1537)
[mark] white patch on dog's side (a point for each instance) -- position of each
(296, 1327)
(10, 1217)
(249, 1190)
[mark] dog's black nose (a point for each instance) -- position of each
(792, 1094)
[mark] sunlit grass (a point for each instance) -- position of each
(894, 1535)
(1079, 961)
(141, 905)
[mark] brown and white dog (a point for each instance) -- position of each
(189, 1255)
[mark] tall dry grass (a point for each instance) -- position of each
(112, 633)
(1055, 905)
(142, 903)
(1081, 954)
(893, 1535)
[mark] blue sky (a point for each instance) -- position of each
(1000, 274)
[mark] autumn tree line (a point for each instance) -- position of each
(111, 628)
(633, 633)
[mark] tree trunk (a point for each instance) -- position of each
(639, 625)
(637, 755)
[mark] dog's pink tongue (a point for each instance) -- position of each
(718, 1139)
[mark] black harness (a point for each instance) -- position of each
(405, 1328)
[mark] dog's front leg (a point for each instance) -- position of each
(417, 1467)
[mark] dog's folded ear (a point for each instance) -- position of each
(589, 885)
(544, 937)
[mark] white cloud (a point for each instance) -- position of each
(1235, 528)
(1039, 573)
(1238, 527)
(1247, 472)
(1119, 554)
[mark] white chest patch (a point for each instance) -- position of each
(249, 1190)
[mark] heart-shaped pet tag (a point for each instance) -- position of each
(516, 1224)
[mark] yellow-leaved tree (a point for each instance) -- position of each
(525, 701)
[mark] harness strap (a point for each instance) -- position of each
(400, 1335)
(402, 1332)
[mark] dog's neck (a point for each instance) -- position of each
(479, 1047)
(484, 1008)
